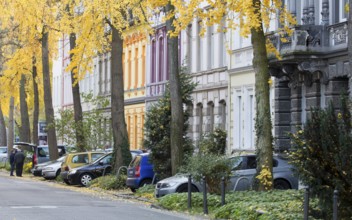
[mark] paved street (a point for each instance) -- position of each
(26, 199)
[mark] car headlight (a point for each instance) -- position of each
(48, 168)
(167, 185)
(73, 171)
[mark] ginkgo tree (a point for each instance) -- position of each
(34, 21)
(251, 17)
(99, 27)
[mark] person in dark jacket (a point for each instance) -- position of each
(12, 161)
(19, 161)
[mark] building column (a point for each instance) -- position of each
(311, 12)
(325, 12)
(296, 107)
(282, 115)
(305, 19)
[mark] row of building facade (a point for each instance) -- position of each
(314, 70)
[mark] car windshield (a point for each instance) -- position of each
(43, 151)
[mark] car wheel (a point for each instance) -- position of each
(281, 184)
(67, 182)
(85, 179)
(145, 182)
(184, 188)
(58, 172)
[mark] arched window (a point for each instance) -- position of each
(161, 60)
(222, 113)
(153, 62)
(199, 115)
(210, 111)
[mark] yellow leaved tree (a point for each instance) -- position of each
(34, 26)
(99, 28)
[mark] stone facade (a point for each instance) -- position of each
(314, 69)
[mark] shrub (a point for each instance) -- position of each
(157, 129)
(322, 155)
(109, 182)
(210, 161)
(212, 166)
(214, 142)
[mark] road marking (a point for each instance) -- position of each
(31, 207)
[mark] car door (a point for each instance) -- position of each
(242, 177)
(103, 165)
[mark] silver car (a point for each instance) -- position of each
(3, 154)
(52, 169)
(241, 179)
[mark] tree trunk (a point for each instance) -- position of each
(349, 45)
(49, 110)
(36, 104)
(264, 148)
(3, 138)
(10, 133)
(77, 107)
(25, 134)
(177, 119)
(119, 130)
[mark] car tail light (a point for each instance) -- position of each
(35, 160)
(138, 171)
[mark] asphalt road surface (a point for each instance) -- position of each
(26, 199)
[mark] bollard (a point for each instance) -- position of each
(335, 200)
(306, 204)
(222, 191)
(189, 200)
(205, 201)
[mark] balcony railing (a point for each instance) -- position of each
(156, 89)
(311, 39)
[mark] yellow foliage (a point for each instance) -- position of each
(265, 177)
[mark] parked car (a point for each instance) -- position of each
(53, 168)
(3, 154)
(139, 172)
(74, 160)
(83, 175)
(39, 154)
(134, 153)
(241, 179)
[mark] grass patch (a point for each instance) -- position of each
(109, 182)
(277, 204)
(146, 191)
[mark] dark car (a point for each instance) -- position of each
(242, 176)
(39, 154)
(140, 172)
(83, 175)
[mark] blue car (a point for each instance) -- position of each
(140, 172)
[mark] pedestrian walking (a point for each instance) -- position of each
(19, 161)
(12, 161)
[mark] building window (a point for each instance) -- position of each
(200, 119)
(342, 9)
(153, 60)
(189, 47)
(222, 111)
(100, 77)
(210, 116)
(303, 105)
(161, 60)
(199, 52)
(129, 69)
(136, 67)
(322, 95)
